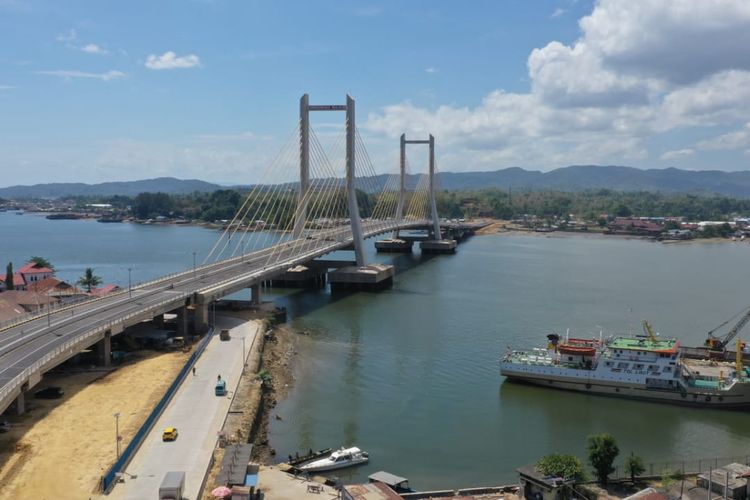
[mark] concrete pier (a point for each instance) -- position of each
(182, 321)
(370, 277)
(301, 277)
(395, 245)
(21, 403)
(104, 350)
(255, 297)
(438, 246)
(201, 318)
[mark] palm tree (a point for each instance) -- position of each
(41, 262)
(89, 279)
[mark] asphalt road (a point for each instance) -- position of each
(197, 413)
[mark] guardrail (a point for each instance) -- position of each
(108, 479)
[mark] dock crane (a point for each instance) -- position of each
(719, 343)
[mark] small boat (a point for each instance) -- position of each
(339, 459)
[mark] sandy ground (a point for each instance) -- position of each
(61, 448)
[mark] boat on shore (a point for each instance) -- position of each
(339, 459)
(643, 367)
(64, 216)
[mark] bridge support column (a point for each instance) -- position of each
(104, 350)
(182, 322)
(201, 318)
(438, 245)
(255, 294)
(21, 403)
(159, 321)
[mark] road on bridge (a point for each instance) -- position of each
(29, 349)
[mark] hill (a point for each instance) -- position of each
(168, 185)
(573, 178)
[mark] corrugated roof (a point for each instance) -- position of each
(387, 478)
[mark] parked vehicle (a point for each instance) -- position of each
(224, 335)
(169, 434)
(4, 426)
(172, 486)
(221, 388)
(49, 393)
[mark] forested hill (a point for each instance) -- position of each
(570, 179)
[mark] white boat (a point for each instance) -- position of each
(344, 457)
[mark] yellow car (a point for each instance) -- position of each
(169, 434)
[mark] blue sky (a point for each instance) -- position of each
(93, 91)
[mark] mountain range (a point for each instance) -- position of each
(573, 178)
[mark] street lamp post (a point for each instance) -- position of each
(117, 433)
(49, 312)
(130, 289)
(193, 264)
(243, 355)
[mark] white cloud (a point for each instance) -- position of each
(6, 87)
(367, 11)
(71, 74)
(169, 60)
(677, 154)
(638, 69)
(70, 36)
(738, 139)
(557, 13)
(430, 70)
(93, 48)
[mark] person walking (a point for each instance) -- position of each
(193, 371)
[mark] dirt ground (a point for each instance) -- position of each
(60, 448)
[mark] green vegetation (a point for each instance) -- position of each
(634, 466)
(593, 205)
(41, 262)
(602, 450)
(89, 279)
(565, 466)
(9, 277)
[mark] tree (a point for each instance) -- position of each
(41, 262)
(602, 453)
(634, 466)
(89, 279)
(9, 277)
(565, 466)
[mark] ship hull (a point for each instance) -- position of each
(737, 398)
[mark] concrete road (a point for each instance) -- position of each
(197, 413)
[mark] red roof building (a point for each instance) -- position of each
(18, 282)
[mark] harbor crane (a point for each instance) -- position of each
(719, 343)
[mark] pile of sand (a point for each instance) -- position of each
(60, 449)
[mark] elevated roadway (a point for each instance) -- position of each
(30, 349)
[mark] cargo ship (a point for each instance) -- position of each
(644, 367)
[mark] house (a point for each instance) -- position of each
(59, 289)
(18, 282)
(17, 302)
(32, 272)
(635, 226)
(538, 486)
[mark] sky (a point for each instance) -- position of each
(94, 91)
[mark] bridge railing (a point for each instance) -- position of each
(9, 387)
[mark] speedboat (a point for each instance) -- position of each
(344, 457)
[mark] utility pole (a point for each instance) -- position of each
(130, 288)
(193, 264)
(117, 433)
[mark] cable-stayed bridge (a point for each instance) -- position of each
(307, 204)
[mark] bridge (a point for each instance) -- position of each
(284, 223)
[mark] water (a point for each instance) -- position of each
(411, 374)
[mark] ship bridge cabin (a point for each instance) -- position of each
(657, 361)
